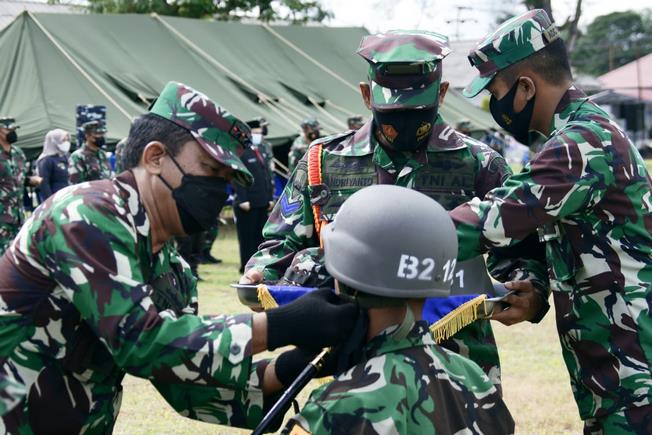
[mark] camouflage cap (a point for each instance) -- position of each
(404, 68)
(513, 41)
(355, 121)
(310, 123)
(94, 127)
(8, 122)
(221, 134)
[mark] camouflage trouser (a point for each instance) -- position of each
(477, 343)
(7, 234)
(630, 421)
(209, 238)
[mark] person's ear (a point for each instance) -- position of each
(365, 90)
(443, 88)
(152, 158)
(527, 86)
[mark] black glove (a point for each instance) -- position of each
(316, 320)
(290, 364)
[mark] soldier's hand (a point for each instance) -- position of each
(524, 304)
(252, 276)
(245, 206)
(35, 180)
(316, 320)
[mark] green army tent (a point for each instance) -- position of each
(54, 62)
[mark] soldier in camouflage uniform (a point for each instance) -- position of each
(119, 151)
(404, 383)
(92, 288)
(588, 194)
(90, 162)
(447, 166)
(12, 179)
(310, 130)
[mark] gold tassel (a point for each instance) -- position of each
(325, 380)
(457, 319)
(265, 297)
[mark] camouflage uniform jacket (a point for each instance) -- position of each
(408, 386)
(452, 170)
(12, 179)
(589, 193)
(84, 300)
(297, 151)
(88, 165)
(119, 154)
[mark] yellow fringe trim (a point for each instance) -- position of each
(457, 319)
(265, 297)
(325, 380)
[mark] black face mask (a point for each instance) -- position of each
(517, 124)
(99, 141)
(406, 130)
(199, 200)
(12, 137)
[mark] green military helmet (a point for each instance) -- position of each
(222, 135)
(8, 122)
(512, 42)
(392, 242)
(91, 127)
(404, 68)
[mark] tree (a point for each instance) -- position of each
(613, 40)
(570, 28)
(295, 11)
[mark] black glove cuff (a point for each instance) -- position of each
(290, 364)
(540, 289)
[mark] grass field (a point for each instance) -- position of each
(535, 382)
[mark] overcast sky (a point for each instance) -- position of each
(441, 15)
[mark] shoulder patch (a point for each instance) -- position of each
(333, 140)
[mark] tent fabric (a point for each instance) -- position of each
(284, 73)
(627, 79)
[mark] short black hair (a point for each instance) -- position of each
(148, 128)
(550, 63)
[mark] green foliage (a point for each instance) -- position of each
(613, 40)
(295, 11)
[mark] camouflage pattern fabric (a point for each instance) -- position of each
(119, 152)
(404, 89)
(513, 41)
(221, 134)
(209, 238)
(588, 193)
(88, 165)
(84, 300)
(297, 151)
(408, 386)
(12, 179)
(452, 169)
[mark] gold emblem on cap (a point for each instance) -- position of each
(423, 130)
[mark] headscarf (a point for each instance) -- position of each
(52, 139)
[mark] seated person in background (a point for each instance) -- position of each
(404, 383)
(52, 164)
